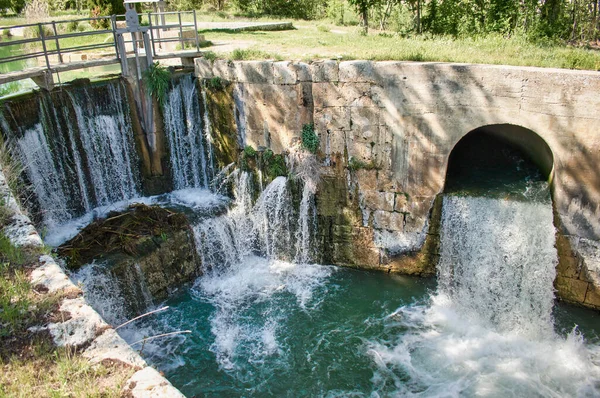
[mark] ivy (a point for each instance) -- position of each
(310, 140)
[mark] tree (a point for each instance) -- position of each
(363, 7)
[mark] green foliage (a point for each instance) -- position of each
(355, 164)
(101, 8)
(156, 79)
(274, 165)
(240, 54)
(215, 83)
(300, 9)
(34, 32)
(249, 152)
(6, 33)
(210, 55)
(310, 140)
(72, 26)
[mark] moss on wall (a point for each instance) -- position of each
(224, 131)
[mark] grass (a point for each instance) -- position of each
(309, 42)
(31, 365)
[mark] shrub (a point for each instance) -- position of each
(310, 140)
(274, 165)
(72, 26)
(156, 79)
(101, 8)
(6, 33)
(210, 55)
(249, 152)
(355, 164)
(215, 83)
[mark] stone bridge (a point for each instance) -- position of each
(400, 121)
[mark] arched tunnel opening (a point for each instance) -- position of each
(498, 157)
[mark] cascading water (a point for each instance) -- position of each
(188, 136)
(71, 173)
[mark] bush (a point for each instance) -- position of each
(72, 26)
(274, 165)
(310, 140)
(215, 83)
(210, 55)
(101, 8)
(156, 79)
(6, 34)
(249, 152)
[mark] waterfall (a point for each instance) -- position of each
(498, 262)
(107, 140)
(239, 113)
(117, 294)
(488, 329)
(188, 136)
(82, 159)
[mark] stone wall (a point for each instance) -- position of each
(387, 130)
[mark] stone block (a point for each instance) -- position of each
(337, 142)
(204, 68)
(283, 73)
(571, 290)
(401, 202)
(222, 68)
(367, 179)
(254, 72)
(302, 71)
(148, 383)
(365, 253)
(334, 118)
(375, 200)
(325, 71)
(357, 72)
(388, 220)
(592, 297)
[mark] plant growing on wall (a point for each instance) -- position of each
(310, 140)
(156, 79)
(274, 164)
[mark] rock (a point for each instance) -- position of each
(148, 383)
(109, 345)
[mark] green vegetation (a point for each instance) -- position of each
(216, 83)
(273, 165)
(31, 365)
(307, 43)
(249, 152)
(355, 164)
(310, 140)
(249, 54)
(156, 79)
(210, 55)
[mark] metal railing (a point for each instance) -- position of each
(47, 41)
(49, 44)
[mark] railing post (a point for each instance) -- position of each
(113, 21)
(148, 51)
(122, 54)
(180, 31)
(60, 58)
(151, 35)
(41, 30)
(196, 30)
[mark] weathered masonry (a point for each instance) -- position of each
(396, 123)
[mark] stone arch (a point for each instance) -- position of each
(530, 144)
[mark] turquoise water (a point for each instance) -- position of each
(266, 333)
